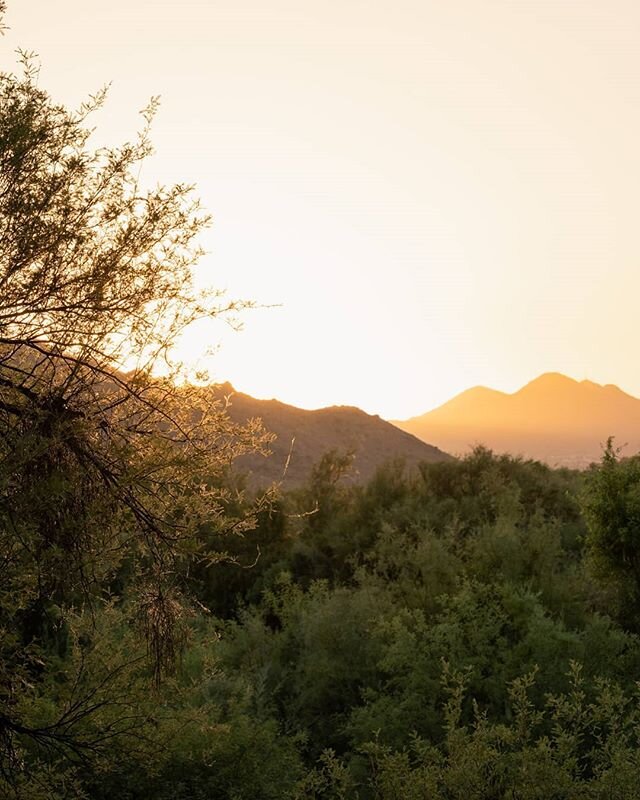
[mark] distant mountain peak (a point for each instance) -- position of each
(225, 388)
(550, 381)
(478, 391)
(553, 377)
(554, 418)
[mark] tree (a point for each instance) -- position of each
(105, 468)
(611, 504)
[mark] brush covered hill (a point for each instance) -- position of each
(303, 437)
(553, 418)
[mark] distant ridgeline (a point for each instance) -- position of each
(554, 419)
(303, 437)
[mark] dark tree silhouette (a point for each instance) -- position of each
(103, 466)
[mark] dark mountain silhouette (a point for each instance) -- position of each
(553, 418)
(303, 437)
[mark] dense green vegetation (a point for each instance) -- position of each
(446, 636)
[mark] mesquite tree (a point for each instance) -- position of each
(105, 468)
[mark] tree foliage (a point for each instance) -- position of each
(611, 504)
(106, 470)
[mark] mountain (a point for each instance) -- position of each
(307, 435)
(553, 418)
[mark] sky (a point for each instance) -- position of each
(421, 195)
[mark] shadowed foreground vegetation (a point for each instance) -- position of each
(459, 634)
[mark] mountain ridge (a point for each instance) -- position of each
(304, 436)
(553, 417)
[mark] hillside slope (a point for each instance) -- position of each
(307, 435)
(553, 418)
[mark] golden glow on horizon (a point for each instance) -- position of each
(437, 195)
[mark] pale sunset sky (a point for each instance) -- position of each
(432, 195)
